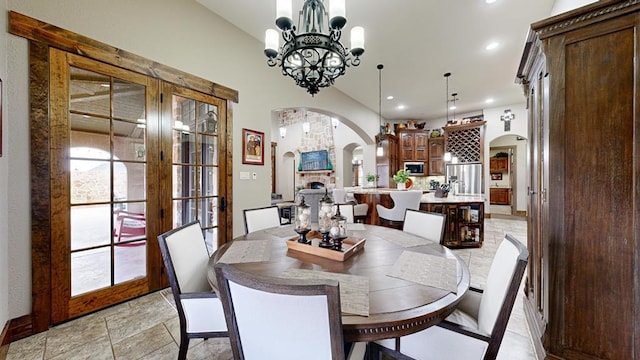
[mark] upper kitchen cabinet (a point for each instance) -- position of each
(466, 141)
(499, 164)
(580, 75)
(436, 156)
(387, 161)
(413, 145)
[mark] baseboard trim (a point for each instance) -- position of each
(14, 330)
(4, 343)
(536, 329)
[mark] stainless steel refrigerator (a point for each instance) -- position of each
(468, 177)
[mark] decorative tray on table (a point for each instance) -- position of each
(350, 246)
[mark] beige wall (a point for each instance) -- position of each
(4, 179)
(561, 6)
(495, 130)
(164, 31)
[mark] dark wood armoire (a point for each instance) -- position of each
(580, 73)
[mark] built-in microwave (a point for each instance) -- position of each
(415, 168)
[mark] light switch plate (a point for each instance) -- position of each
(244, 175)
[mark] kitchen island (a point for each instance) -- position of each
(465, 213)
(465, 218)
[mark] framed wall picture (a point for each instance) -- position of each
(496, 176)
(252, 147)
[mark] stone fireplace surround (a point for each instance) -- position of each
(316, 185)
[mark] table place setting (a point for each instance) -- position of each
(425, 269)
(401, 238)
(284, 231)
(247, 251)
(354, 289)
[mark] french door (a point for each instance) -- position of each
(194, 158)
(131, 157)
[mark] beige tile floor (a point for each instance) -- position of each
(147, 328)
(500, 209)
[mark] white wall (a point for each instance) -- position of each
(4, 179)
(494, 130)
(561, 6)
(180, 34)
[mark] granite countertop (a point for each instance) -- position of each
(357, 190)
(427, 197)
(431, 199)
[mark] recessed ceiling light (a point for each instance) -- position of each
(401, 107)
(492, 46)
(390, 97)
(489, 101)
(489, 1)
(453, 107)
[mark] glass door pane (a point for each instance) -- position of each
(195, 170)
(107, 163)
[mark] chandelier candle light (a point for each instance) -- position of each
(313, 57)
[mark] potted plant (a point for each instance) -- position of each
(401, 178)
(371, 179)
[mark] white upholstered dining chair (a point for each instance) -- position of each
(185, 258)
(359, 210)
(276, 318)
(346, 210)
(261, 218)
(428, 225)
(476, 328)
(402, 200)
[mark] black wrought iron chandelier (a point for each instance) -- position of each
(311, 56)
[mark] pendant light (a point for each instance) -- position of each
(380, 149)
(447, 155)
(312, 53)
(446, 94)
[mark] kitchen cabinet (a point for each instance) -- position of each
(500, 196)
(500, 164)
(464, 226)
(386, 164)
(436, 156)
(414, 145)
(466, 141)
(579, 73)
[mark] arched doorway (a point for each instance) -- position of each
(339, 136)
(507, 184)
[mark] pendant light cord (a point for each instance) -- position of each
(446, 95)
(380, 66)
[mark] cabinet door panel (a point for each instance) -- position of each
(421, 154)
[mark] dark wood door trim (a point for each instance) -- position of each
(42, 36)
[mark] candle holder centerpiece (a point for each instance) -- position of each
(303, 221)
(325, 213)
(338, 229)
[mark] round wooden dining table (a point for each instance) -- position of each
(397, 307)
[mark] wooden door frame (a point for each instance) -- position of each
(41, 36)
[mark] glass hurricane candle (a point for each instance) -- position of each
(325, 212)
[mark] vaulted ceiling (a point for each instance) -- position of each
(418, 41)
